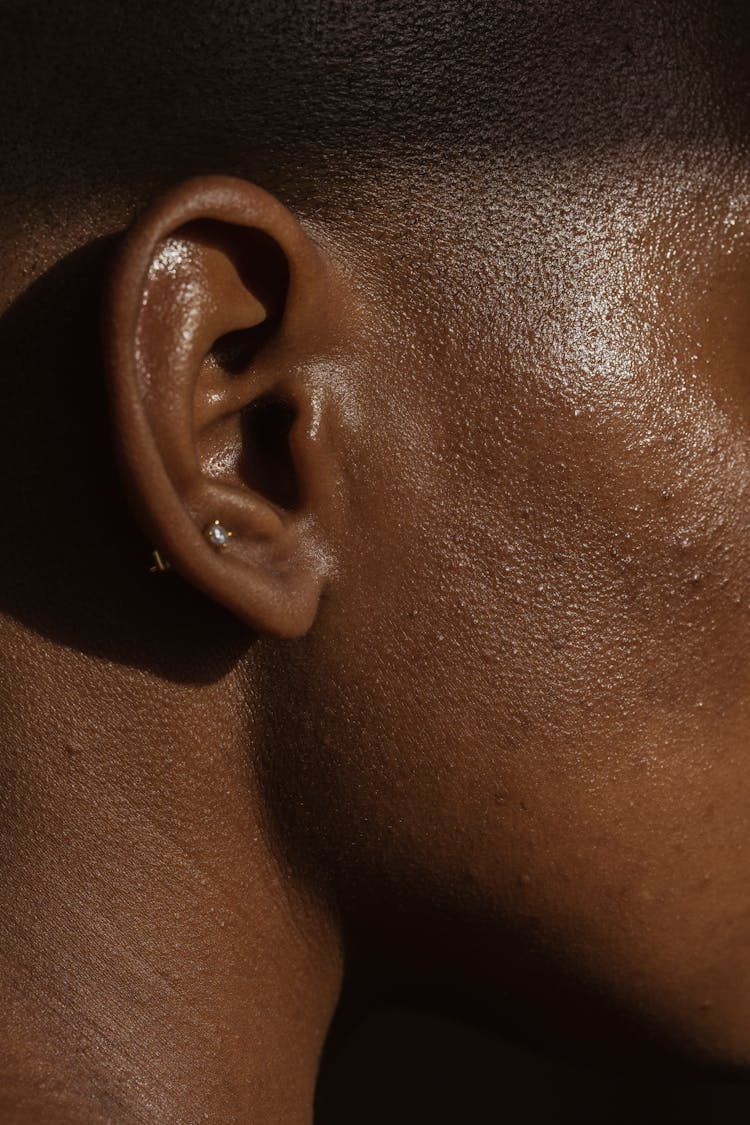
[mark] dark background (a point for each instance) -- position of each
(399, 1067)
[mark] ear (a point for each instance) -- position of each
(218, 307)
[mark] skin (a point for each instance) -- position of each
(462, 711)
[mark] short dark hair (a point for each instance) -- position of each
(304, 95)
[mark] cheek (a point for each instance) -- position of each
(541, 676)
(563, 560)
(553, 572)
(598, 572)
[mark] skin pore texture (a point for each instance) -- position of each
(462, 713)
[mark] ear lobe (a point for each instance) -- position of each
(217, 304)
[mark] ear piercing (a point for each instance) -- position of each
(217, 535)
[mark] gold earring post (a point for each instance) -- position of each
(160, 565)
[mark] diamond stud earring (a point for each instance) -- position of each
(217, 535)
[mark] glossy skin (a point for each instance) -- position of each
(477, 719)
(563, 627)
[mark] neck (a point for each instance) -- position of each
(156, 961)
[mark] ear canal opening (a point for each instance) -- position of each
(234, 352)
(267, 465)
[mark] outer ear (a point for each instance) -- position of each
(217, 306)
